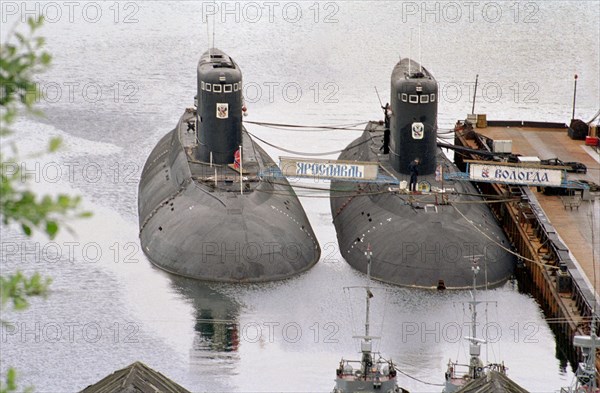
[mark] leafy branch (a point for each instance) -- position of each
(21, 58)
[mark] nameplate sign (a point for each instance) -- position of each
(514, 174)
(328, 169)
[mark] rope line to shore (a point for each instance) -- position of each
(419, 380)
(308, 128)
(501, 245)
(310, 154)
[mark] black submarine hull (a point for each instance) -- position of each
(418, 243)
(192, 230)
(210, 204)
(425, 238)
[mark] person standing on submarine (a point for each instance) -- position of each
(413, 168)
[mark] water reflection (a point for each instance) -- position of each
(215, 345)
(215, 334)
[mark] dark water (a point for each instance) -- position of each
(110, 307)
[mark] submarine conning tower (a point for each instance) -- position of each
(220, 102)
(413, 125)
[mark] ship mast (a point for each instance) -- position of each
(366, 345)
(585, 377)
(369, 253)
(474, 302)
(586, 374)
(475, 365)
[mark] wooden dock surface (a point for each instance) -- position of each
(574, 225)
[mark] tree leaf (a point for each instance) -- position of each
(51, 229)
(26, 229)
(45, 58)
(55, 144)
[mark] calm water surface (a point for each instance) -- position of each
(115, 88)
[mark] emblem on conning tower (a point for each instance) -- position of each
(418, 130)
(222, 111)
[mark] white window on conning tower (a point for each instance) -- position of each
(227, 88)
(432, 96)
(413, 99)
(235, 87)
(404, 97)
(202, 87)
(424, 99)
(216, 88)
(208, 87)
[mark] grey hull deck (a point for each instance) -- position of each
(416, 239)
(194, 227)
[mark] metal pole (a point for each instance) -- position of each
(420, 58)
(369, 253)
(593, 333)
(475, 269)
(442, 176)
(241, 172)
(211, 160)
(378, 96)
(410, 52)
(474, 94)
(592, 356)
(574, 96)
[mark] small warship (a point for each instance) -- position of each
(423, 237)
(458, 375)
(586, 376)
(209, 205)
(371, 375)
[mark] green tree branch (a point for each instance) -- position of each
(21, 58)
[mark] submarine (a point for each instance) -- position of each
(211, 206)
(428, 237)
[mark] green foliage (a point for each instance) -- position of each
(21, 58)
(32, 211)
(11, 383)
(19, 61)
(17, 288)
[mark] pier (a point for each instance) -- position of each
(551, 233)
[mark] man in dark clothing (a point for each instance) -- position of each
(413, 168)
(386, 132)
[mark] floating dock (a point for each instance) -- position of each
(552, 233)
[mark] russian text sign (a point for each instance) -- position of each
(525, 175)
(332, 169)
